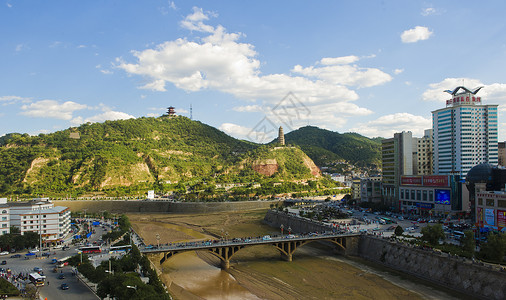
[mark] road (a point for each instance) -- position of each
(77, 290)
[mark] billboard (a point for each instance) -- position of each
(435, 180)
(489, 217)
(479, 216)
(501, 219)
(442, 197)
(411, 180)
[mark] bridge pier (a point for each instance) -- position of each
(225, 264)
(286, 256)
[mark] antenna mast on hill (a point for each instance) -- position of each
(191, 112)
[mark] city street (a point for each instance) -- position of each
(51, 289)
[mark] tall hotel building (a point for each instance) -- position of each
(465, 133)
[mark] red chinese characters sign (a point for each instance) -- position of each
(501, 219)
(435, 180)
(411, 180)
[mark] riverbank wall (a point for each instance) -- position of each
(476, 279)
(139, 206)
(462, 275)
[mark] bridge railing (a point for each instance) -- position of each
(196, 245)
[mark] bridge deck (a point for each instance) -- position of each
(202, 245)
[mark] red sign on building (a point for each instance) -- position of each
(411, 180)
(435, 180)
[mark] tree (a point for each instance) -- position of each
(468, 243)
(432, 234)
(495, 247)
(398, 231)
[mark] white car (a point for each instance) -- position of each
(34, 251)
(4, 253)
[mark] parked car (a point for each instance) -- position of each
(61, 276)
(16, 256)
(4, 252)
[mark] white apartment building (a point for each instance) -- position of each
(5, 223)
(41, 216)
(464, 133)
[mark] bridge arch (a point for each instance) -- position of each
(286, 247)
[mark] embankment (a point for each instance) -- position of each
(456, 273)
(133, 206)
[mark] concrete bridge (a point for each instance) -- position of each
(225, 249)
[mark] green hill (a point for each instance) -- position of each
(324, 146)
(130, 156)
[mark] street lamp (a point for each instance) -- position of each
(282, 227)
(289, 230)
(158, 240)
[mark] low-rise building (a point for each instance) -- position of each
(438, 195)
(41, 216)
(491, 209)
(370, 189)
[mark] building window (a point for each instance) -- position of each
(480, 201)
(501, 203)
(424, 196)
(418, 195)
(4, 225)
(413, 195)
(4, 211)
(431, 196)
(402, 194)
(490, 202)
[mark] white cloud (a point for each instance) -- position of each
(172, 5)
(217, 61)
(107, 72)
(235, 130)
(6, 100)
(398, 71)
(8, 5)
(249, 108)
(386, 126)
(153, 115)
(51, 109)
(428, 11)
(105, 116)
(344, 60)
(21, 47)
(494, 93)
(419, 33)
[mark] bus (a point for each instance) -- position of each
(91, 249)
(387, 220)
(37, 279)
(124, 248)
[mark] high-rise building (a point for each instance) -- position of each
(501, 151)
(397, 160)
(464, 133)
(424, 154)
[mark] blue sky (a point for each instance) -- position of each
(372, 67)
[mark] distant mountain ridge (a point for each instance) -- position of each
(324, 146)
(130, 156)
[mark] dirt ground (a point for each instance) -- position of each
(257, 272)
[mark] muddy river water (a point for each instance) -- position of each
(259, 273)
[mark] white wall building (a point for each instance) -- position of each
(41, 216)
(5, 223)
(465, 133)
